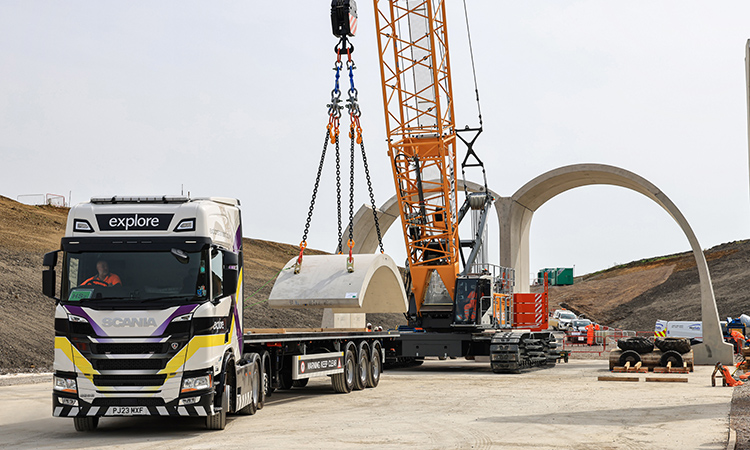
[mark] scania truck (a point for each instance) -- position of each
(148, 321)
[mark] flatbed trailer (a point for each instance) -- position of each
(353, 358)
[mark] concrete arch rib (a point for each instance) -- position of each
(515, 216)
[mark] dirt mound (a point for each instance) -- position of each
(633, 296)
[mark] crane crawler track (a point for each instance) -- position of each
(514, 351)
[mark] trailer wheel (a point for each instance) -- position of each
(629, 356)
(344, 382)
(255, 390)
(376, 366)
(302, 382)
(363, 367)
(671, 356)
(88, 423)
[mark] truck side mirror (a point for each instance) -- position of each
(49, 276)
(50, 259)
(230, 273)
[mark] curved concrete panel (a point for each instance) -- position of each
(515, 216)
(375, 286)
(365, 234)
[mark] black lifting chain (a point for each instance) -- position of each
(332, 136)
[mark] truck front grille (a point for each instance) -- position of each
(129, 380)
(131, 349)
(128, 364)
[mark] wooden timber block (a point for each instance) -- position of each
(619, 369)
(638, 370)
(667, 379)
(607, 378)
(661, 370)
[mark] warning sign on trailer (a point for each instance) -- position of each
(317, 365)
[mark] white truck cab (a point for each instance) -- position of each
(149, 317)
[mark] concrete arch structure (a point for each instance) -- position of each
(515, 214)
(517, 211)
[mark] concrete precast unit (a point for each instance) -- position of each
(375, 285)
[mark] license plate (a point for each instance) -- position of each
(127, 411)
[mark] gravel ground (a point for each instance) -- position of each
(739, 416)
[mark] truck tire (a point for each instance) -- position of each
(302, 382)
(363, 366)
(630, 356)
(637, 344)
(285, 380)
(679, 345)
(344, 382)
(376, 367)
(252, 407)
(88, 423)
(671, 356)
(267, 391)
(218, 421)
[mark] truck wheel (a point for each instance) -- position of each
(265, 362)
(373, 374)
(629, 356)
(88, 423)
(679, 345)
(344, 382)
(363, 366)
(255, 387)
(671, 356)
(218, 421)
(637, 344)
(300, 383)
(285, 380)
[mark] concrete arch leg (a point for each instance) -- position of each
(375, 286)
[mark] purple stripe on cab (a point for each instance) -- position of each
(184, 309)
(78, 311)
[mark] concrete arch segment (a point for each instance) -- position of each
(515, 214)
(365, 233)
(375, 285)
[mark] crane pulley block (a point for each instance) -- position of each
(344, 18)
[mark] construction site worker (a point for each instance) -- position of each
(739, 340)
(103, 278)
(590, 334)
(470, 308)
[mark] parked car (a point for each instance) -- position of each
(561, 319)
(577, 332)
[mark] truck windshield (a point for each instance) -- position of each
(136, 276)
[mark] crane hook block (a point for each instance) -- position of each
(344, 18)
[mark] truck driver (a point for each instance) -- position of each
(103, 278)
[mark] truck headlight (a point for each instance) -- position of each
(196, 383)
(65, 385)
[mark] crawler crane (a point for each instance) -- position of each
(453, 311)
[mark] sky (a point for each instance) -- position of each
(229, 99)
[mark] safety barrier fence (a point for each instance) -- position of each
(604, 340)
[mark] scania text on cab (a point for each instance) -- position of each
(149, 318)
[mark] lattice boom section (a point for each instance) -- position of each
(415, 68)
(428, 214)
